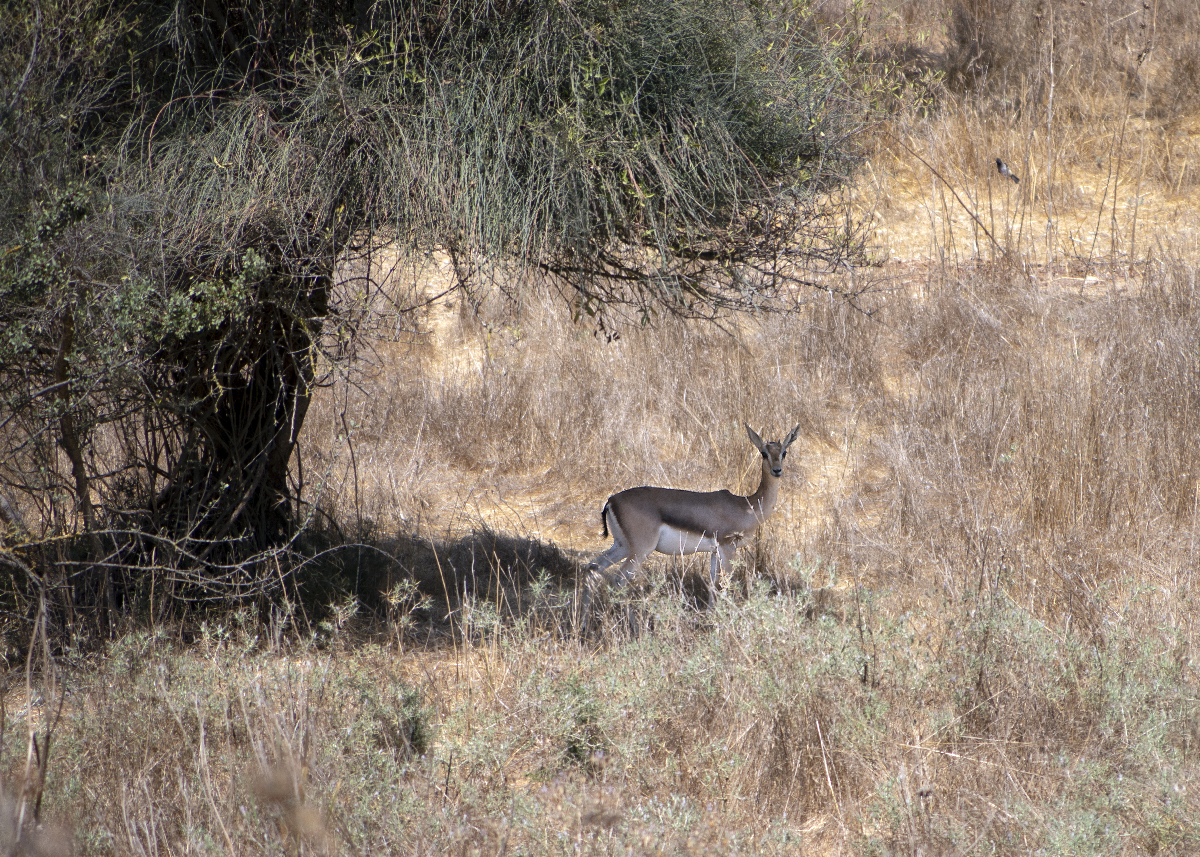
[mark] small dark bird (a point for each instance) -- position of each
(1005, 171)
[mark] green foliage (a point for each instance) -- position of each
(35, 279)
(56, 86)
(210, 304)
(655, 152)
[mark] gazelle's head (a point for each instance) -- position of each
(775, 452)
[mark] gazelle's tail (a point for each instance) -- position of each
(604, 520)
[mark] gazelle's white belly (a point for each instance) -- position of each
(673, 541)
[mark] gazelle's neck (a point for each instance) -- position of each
(763, 500)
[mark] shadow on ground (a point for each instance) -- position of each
(432, 581)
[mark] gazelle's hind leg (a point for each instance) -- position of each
(596, 576)
(629, 569)
(623, 551)
(629, 556)
(593, 580)
(598, 585)
(620, 550)
(609, 558)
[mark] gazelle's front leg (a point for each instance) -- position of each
(713, 565)
(722, 556)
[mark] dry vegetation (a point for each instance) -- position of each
(969, 629)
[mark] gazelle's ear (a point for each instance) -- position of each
(756, 440)
(791, 436)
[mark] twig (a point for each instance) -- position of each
(33, 52)
(950, 187)
(828, 779)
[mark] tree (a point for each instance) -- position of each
(171, 246)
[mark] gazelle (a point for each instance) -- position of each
(672, 521)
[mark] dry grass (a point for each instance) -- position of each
(970, 625)
(1094, 106)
